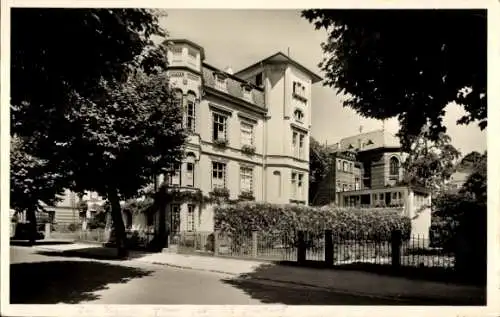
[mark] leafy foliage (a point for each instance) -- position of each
(463, 212)
(390, 64)
(127, 136)
(477, 182)
(107, 121)
(33, 181)
(268, 219)
(135, 206)
(430, 164)
(319, 165)
(470, 161)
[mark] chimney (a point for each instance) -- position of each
(229, 70)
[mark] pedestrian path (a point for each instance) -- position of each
(352, 282)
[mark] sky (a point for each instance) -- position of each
(239, 38)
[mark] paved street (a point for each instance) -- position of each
(55, 279)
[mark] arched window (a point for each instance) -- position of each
(190, 164)
(394, 166)
(298, 114)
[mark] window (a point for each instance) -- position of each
(344, 187)
(294, 185)
(299, 91)
(188, 173)
(350, 187)
(299, 115)
(192, 54)
(220, 82)
(246, 134)
(219, 127)
(246, 179)
(344, 166)
(191, 113)
(301, 145)
(394, 167)
(190, 218)
(258, 80)
(357, 183)
(339, 165)
(294, 143)
(175, 218)
(177, 53)
(218, 175)
(175, 176)
(338, 187)
(298, 139)
(300, 186)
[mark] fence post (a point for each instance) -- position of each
(301, 248)
(329, 247)
(396, 248)
(216, 242)
(47, 231)
(254, 244)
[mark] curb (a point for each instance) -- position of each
(339, 291)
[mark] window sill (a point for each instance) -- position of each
(299, 97)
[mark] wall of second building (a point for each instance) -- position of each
(380, 168)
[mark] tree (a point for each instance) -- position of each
(33, 182)
(430, 164)
(469, 161)
(122, 140)
(319, 165)
(408, 64)
(477, 182)
(92, 98)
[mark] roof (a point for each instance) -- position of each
(370, 140)
(281, 57)
(188, 42)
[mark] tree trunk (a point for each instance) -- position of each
(161, 199)
(33, 232)
(118, 225)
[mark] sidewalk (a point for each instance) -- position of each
(352, 282)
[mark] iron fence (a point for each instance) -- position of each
(327, 246)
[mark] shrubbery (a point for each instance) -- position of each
(273, 219)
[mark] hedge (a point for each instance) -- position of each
(274, 219)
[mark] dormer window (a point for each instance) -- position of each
(298, 114)
(299, 91)
(220, 81)
(247, 92)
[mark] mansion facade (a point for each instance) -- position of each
(248, 133)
